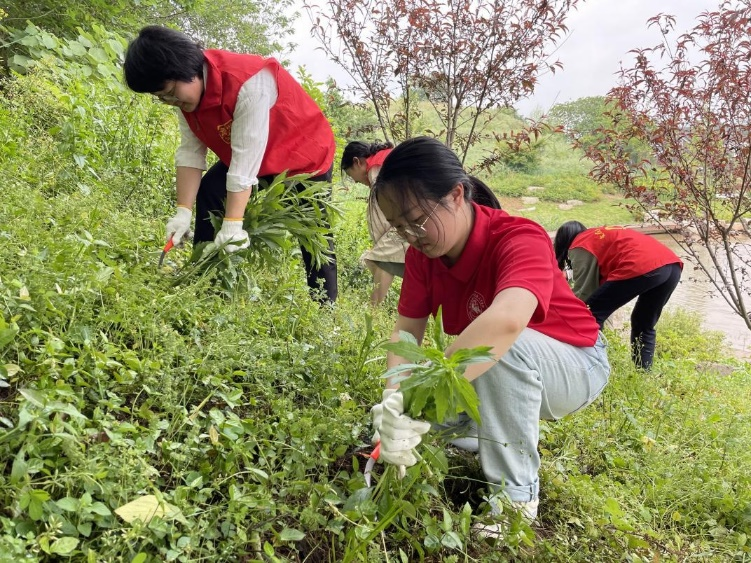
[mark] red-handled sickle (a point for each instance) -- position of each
(165, 250)
(373, 457)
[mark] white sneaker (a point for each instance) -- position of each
(499, 528)
(469, 440)
(466, 443)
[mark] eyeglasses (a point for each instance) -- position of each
(415, 230)
(169, 97)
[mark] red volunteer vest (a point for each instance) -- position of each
(300, 136)
(377, 159)
(623, 254)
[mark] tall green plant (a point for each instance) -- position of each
(433, 385)
(288, 211)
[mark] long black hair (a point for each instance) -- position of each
(428, 170)
(358, 149)
(158, 55)
(564, 236)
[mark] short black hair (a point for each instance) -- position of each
(158, 55)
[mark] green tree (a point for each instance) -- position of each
(257, 26)
(580, 118)
(467, 58)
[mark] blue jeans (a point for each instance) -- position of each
(538, 378)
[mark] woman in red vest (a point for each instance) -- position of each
(251, 113)
(611, 266)
(362, 162)
(495, 279)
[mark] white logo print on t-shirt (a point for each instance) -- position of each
(475, 306)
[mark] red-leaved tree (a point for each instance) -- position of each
(466, 57)
(689, 101)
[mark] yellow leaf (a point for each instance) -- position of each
(12, 369)
(213, 435)
(145, 508)
(23, 293)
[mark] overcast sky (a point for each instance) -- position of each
(601, 34)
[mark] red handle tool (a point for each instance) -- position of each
(165, 250)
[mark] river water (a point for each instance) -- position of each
(696, 293)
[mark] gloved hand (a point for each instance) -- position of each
(399, 433)
(377, 414)
(232, 232)
(178, 227)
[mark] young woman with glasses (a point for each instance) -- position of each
(496, 280)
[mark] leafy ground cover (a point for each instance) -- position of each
(244, 418)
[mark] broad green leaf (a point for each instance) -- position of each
(33, 396)
(397, 370)
(467, 356)
(441, 404)
(291, 534)
(452, 541)
(100, 509)
(68, 504)
(64, 546)
(145, 508)
(468, 399)
(406, 350)
(438, 335)
(7, 335)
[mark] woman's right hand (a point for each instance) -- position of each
(178, 227)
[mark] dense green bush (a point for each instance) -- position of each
(71, 111)
(556, 188)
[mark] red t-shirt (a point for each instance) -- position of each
(502, 251)
(623, 254)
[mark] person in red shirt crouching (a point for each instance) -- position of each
(496, 279)
(613, 265)
(252, 114)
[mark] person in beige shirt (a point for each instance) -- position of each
(362, 162)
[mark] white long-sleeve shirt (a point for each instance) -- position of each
(250, 133)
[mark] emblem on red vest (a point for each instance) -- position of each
(225, 131)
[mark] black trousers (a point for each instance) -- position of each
(652, 291)
(211, 198)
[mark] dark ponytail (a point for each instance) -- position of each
(358, 149)
(481, 194)
(564, 237)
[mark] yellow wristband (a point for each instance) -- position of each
(233, 219)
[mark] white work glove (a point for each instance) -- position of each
(399, 433)
(232, 232)
(178, 228)
(377, 414)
